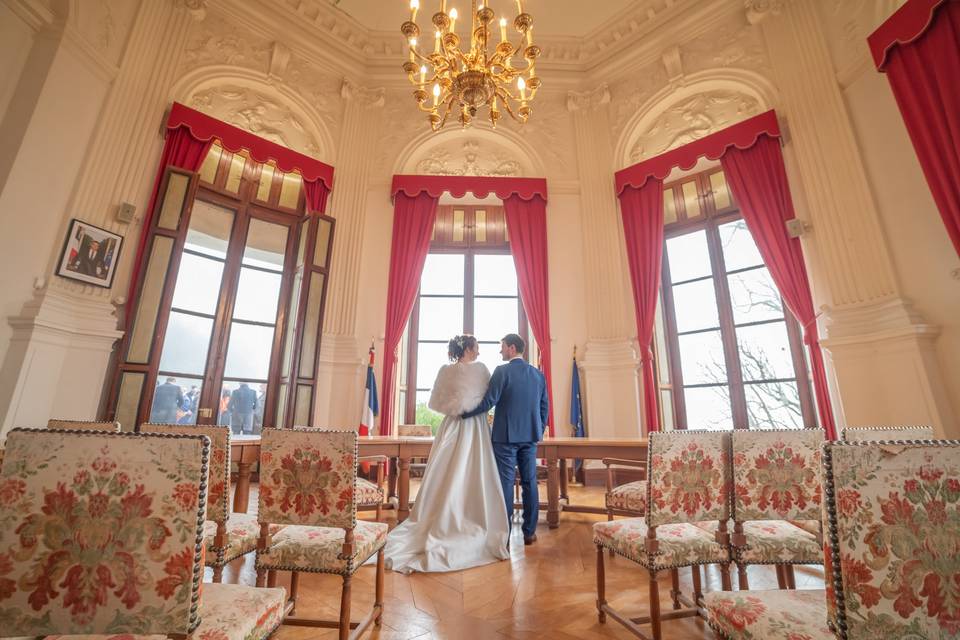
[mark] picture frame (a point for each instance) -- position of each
(90, 254)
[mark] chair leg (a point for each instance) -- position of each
(378, 595)
(218, 574)
(725, 583)
(261, 577)
(742, 582)
(781, 577)
(345, 609)
(697, 587)
(610, 519)
(380, 511)
(654, 605)
(675, 588)
(294, 588)
(601, 587)
(791, 576)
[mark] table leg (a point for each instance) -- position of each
(403, 489)
(392, 479)
(241, 497)
(563, 479)
(553, 493)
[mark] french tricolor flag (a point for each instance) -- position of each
(371, 407)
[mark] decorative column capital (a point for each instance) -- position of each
(760, 10)
(363, 96)
(588, 100)
(197, 8)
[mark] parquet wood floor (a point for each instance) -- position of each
(545, 591)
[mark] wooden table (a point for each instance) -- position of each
(245, 451)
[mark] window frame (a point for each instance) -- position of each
(710, 218)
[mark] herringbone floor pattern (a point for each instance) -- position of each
(546, 591)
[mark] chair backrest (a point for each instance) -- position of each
(893, 515)
(414, 430)
(218, 489)
(856, 434)
(308, 477)
(101, 533)
(688, 477)
(776, 474)
(82, 425)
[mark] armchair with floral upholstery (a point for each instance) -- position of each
(776, 482)
(101, 534)
(226, 535)
(308, 482)
(82, 425)
(854, 434)
(893, 526)
(688, 482)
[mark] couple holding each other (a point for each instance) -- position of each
(459, 520)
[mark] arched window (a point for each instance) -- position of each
(227, 322)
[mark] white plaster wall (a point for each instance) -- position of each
(927, 266)
(15, 40)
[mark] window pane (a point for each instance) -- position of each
(691, 201)
(301, 409)
(266, 245)
(257, 295)
(235, 172)
(739, 249)
(695, 306)
(241, 406)
(494, 318)
(701, 358)
(660, 342)
(266, 182)
(311, 324)
(708, 408)
(186, 343)
(198, 284)
(208, 170)
(669, 207)
(689, 257)
(721, 194)
(494, 275)
(754, 296)
(442, 274)
(440, 318)
(765, 352)
(430, 357)
(210, 228)
(425, 415)
(173, 201)
(145, 320)
(175, 400)
(248, 354)
(666, 402)
(322, 248)
(490, 355)
(774, 405)
(128, 400)
(290, 190)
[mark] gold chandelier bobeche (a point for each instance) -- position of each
(467, 81)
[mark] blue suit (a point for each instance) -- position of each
(519, 392)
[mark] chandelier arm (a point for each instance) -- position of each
(446, 114)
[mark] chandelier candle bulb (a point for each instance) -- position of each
(519, 7)
(453, 19)
(436, 43)
(523, 87)
(423, 73)
(413, 46)
(503, 29)
(436, 94)
(414, 6)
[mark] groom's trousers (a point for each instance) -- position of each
(523, 456)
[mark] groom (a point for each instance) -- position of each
(519, 392)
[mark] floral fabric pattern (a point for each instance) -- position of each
(887, 433)
(897, 510)
(242, 532)
(320, 549)
(218, 485)
(228, 612)
(688, 473)
(768, 615)
(308, 477)
(773, 542)
(678, 545)
(98, 532)
(368, 493)
(776, 474)
(628, 497)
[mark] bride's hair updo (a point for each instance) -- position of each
(458, 345)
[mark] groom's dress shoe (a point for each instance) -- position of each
(529, 540)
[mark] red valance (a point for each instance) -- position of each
(479, 186)
(203, 127)
(742, 135)
(907, 24)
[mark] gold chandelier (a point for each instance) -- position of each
(465, 81)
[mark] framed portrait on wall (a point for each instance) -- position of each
(90, 254)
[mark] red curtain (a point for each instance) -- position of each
(413, 218)
(316, 192)
(181, 150)
(527, 226)
(642, 211)
(759, 183)
(919, 50)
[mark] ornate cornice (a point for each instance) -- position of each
(760, 10)
(588, 100)
(362, 96)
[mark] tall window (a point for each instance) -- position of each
(729, 354)
(227, 322)
(469, 285)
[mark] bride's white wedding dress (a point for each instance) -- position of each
(459, 520)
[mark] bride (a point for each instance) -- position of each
(458, 520)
